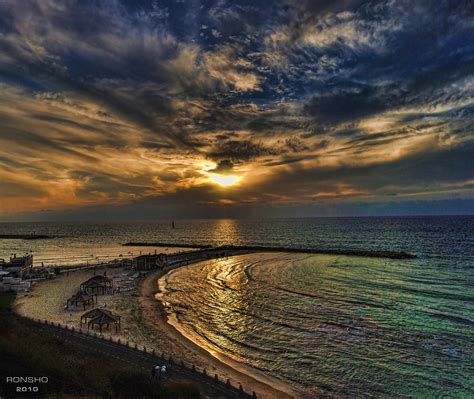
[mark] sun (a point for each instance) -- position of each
(223, 180)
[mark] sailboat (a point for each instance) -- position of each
(172, 225)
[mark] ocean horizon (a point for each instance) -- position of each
(447, 238)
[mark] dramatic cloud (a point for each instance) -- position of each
(225, 65)
(306, 105)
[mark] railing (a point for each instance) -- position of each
(152, 354)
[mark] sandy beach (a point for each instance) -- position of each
(156, 316)
(144, 321)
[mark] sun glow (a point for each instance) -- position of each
(224, 180)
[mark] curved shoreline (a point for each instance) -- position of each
(155, 314)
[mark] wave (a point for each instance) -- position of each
(304, 321)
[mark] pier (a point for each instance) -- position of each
(157, 261)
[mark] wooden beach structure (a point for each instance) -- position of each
(97, 284)
(81, 298)
(99, 318)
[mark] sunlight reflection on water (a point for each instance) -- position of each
(332, 324)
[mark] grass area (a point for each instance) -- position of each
(73, 372)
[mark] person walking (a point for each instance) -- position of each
(156, 371)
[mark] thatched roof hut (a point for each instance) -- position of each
(100, 317)
(82, 298)
(97, 284)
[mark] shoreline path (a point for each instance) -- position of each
(136, 357)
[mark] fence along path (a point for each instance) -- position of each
(140, 356)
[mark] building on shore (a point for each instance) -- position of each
(149, 262)
(18, 267)
(10, 283)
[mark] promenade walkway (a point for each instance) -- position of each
(139, 358)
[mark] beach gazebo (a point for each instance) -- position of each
(82, 298)
(97, 284)
(100, 317)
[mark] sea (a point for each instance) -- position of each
(326, 325)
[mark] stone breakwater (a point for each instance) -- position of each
(207, 249)
(24, 237)
(164, 244)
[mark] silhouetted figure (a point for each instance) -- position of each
(156, 371)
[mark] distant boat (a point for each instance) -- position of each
(172, 225)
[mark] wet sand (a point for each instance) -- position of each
(144, 321)
(155, 315)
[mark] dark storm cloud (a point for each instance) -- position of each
(353, 101)
(26, 138)
(110, 186)
(155, 145)
(224, 166)
(347, 104)
(329, 98)
(295, 144)
(231, 19)
(286, 161)
(419, 172)
(403, 58)
(124, 62)
(241, 150)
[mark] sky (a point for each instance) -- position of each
(234, 108)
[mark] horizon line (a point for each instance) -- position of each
(88, 220)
